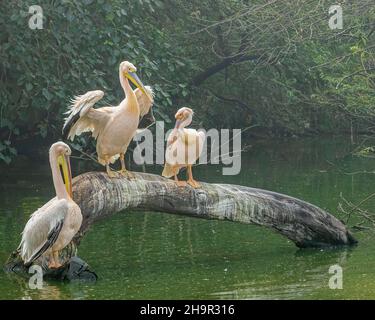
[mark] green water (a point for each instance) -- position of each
(143, 255)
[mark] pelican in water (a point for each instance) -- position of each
(184, 147)
(53, 226)
(113, 127)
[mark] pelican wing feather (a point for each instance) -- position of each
(43, 229)
(143, 101)
(145, 111)
(82, 117)
(51, 239)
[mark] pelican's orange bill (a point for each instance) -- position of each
(133, 77)
(64, 164)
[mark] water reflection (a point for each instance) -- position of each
(158, 256)
(303, 275)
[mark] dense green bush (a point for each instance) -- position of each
(301, 87)
(78, 49)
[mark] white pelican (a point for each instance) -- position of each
(52, 227)
(113, 127)
(184, 147)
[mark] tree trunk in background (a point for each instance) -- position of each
(210, 71)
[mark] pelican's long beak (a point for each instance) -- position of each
(179, 119)
(132, 76)
(64, 165)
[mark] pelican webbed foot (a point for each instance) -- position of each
(181, 183)
(195, 184)
(111, 174)
(54, 261)
(127, 174)
(54, 265)
(190, 179)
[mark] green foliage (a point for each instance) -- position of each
(7, 152)
(78, 49)
(365, 152)
(308, 78)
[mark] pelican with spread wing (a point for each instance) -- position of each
(113, 127)
(53, 226)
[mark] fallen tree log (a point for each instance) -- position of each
(100, 196)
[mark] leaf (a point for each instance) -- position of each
(5, 158)
(12, 151)
(46, 94)
(29, 86)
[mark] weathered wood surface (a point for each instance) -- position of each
(303, 223)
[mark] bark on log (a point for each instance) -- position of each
(99, 196)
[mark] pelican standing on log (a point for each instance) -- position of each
(113, 127)
(53, 226)
(184, 147)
